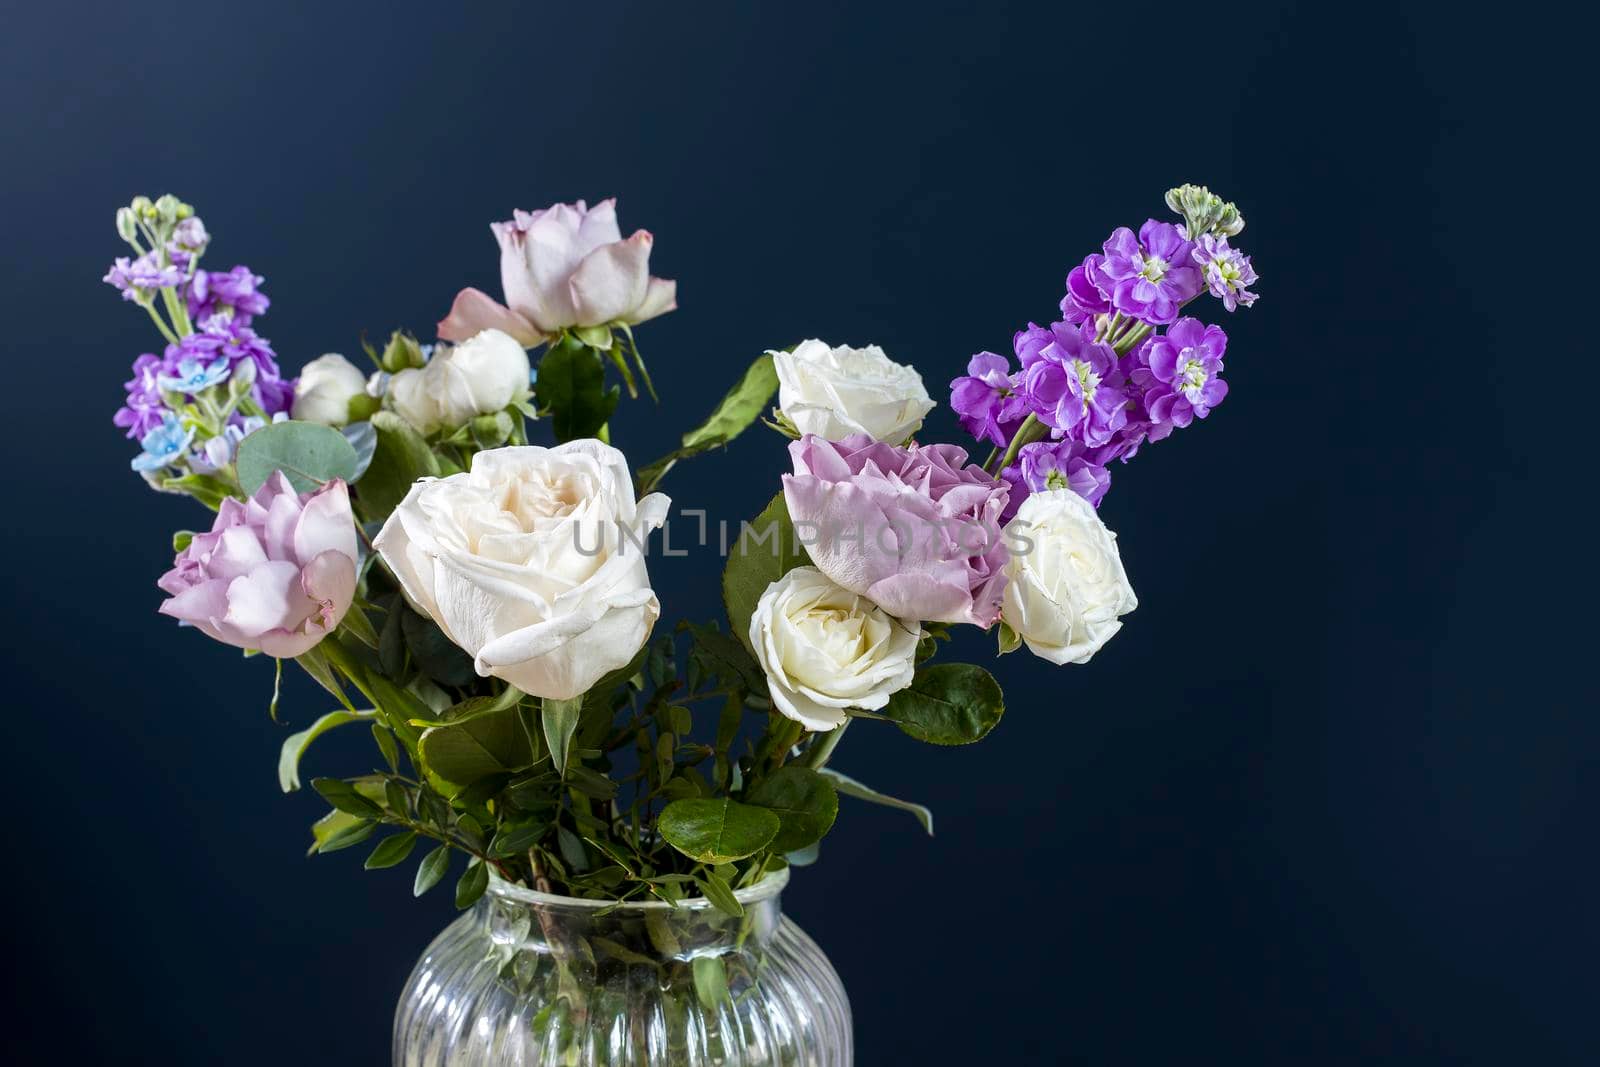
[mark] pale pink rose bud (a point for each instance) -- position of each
(567, 265)
(276, 573)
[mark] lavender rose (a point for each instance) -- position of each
(564, 266)
(276, 572)
(915, 530)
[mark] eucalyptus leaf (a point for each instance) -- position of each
(307, 453)
(948, 704)
(400, 456)
(364, 440)
(766, 551)
(861, 791)
(717, 831)
(804, 801)
(295, 745)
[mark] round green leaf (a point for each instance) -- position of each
(717, 831)
(308, 454)
(948, 704)
(804, 802)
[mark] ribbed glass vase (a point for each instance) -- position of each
(524, 979)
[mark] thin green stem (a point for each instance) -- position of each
(1030, 430)
(161, 325)
(816, 757)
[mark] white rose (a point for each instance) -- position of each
(835, 392)
(325, 388)
(825, 649)
(479, 376)
(1065, 584)
(532, 562)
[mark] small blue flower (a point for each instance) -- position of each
(164, 444)
(192, 377)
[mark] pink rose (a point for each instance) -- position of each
(564, 266)
(276, 572)
(915, 530)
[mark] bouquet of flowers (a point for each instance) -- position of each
(481, 603)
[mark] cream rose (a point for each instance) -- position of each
(1065, 584)
(836, 392)
(532, 562)
(479, 376)
(325, 388)
(825, 649)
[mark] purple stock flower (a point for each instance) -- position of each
(1072, 382)
(1151, 275)
(986, 401)
(1088, 291)
(1045, 465)
(144, 407)
(1178, 373)
(1227, 271)
(219, 297)
(145, 273)
(189, 239)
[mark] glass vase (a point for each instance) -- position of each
(525, 978)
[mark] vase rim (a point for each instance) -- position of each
(769, 886)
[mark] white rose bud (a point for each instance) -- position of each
(825, 649)
(479, 376)
(532, 562)
(1065, 586)
(325, 388)
(836, 392)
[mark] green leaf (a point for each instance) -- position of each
(431, 870)
(345, 797)
(516, 838)
(717, 831)
(852, 788)
(336, 822)
(741, 407)
(386, 745)
(766, 551)
(434, 653)
(804, 801)
(559, 718)
(181, 540)
(725, 658)
(360, 627)
(474, 880)
(399, 457)
(721, 896)
(308, 454)
(392, 850)
(571, 383)
(461, 753)
(948, 704)
(1008, 638)
(208, 490)
(295, 745)
(710, 981)
(314, 662)
(351, 833)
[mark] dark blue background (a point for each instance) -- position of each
(1321, 802)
